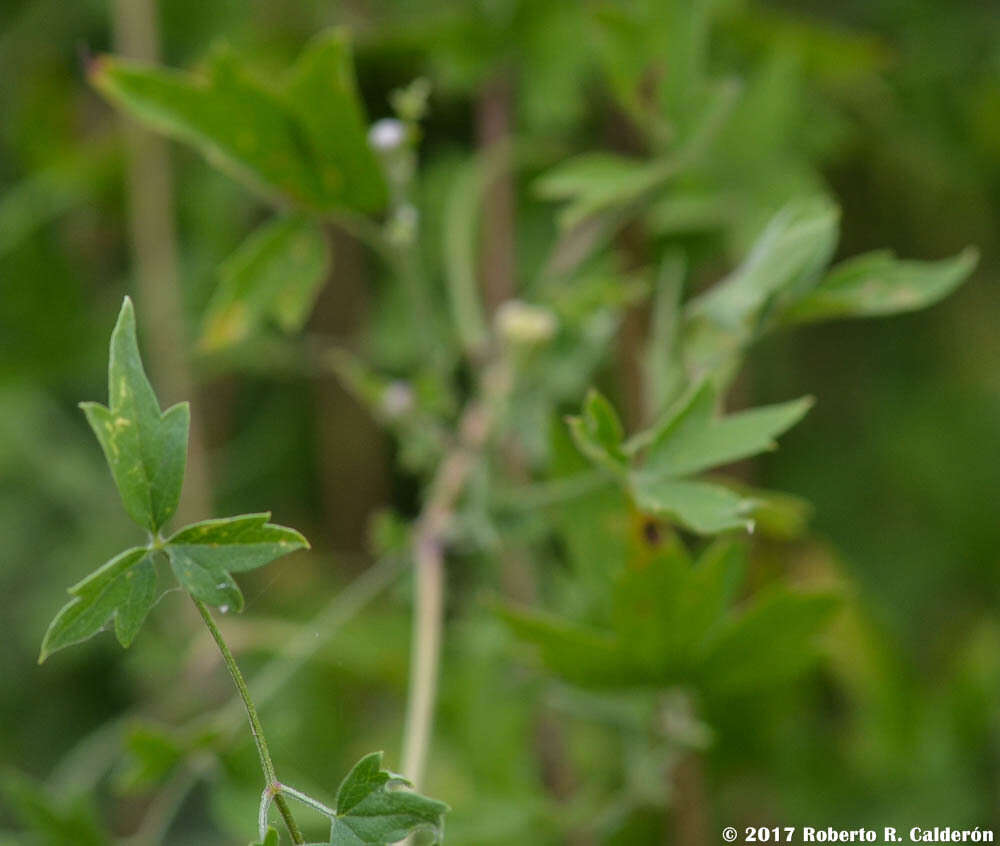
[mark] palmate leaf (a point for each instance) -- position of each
(123, 589)
(689, 440)
(373, 807)
(203, 555)
(146, 449)
(674, 623)
(303, 139)
(693, 439)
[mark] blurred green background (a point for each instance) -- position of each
(894, 106)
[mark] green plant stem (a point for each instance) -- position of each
(256, 729)
(428, 553)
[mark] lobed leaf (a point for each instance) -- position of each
(304, 140)
(373, 807)
(673, 623)
(203, 555)
(238, 124)
(694, 439)
(124, 589)
(275, 274)
(146, 449)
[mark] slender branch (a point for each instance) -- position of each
(256, 729)
(428, 550)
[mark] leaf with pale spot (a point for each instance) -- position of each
(146, 449)
(274, 275)
(203, 555)
(374, 807)
(124, 590)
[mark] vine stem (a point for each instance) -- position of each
(428, 557)
(256, 729)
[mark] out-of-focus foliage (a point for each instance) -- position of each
(685, 168)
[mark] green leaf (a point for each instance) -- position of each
(373, 807)
(239, 124)
(203, 555)
(699, 506)
(322, 96)
(146, 449)
(598, 432)
(793, 249)
(303, 140)
(275, 274)
(878, 283)
(666, 607)
(785, 260)
(580, 654)
(772, 642)
(594, 182)
(693, 438)
(125, 589)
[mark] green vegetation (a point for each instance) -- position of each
(519, 356)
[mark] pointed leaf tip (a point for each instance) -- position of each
(204, 555)
(146, 449)
(374, 808)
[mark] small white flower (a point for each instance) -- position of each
(387, 135)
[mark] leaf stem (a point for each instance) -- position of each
(256, 729)
(308, 801)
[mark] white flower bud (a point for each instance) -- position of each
(523, 324)
(397, 400)
(387, 135)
